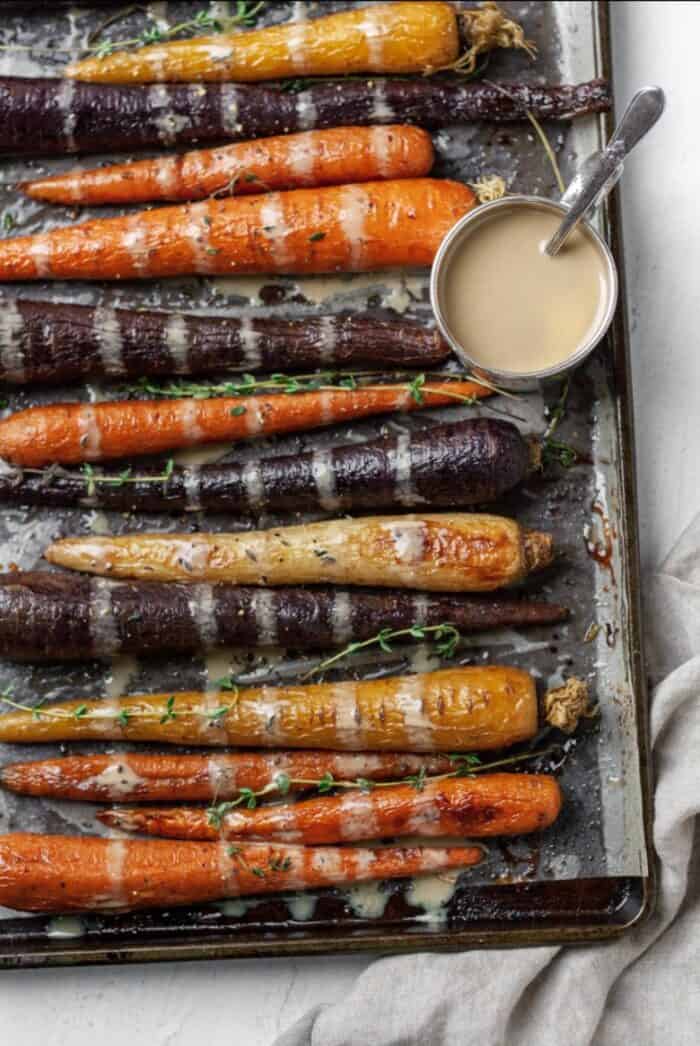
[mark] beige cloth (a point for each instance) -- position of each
(644, 988)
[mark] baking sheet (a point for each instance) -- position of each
(600, 833)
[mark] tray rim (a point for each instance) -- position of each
(643, 889)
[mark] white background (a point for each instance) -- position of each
(248, 1003)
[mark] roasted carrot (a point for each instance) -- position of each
(43, 116)
(462, 463)
(51, 616)
(347, 228)
(172, 778)
(59, 873)
(437, 552)
(452, 710)
(70, 433)
(479, 807)
(381, 38)
(332, 157)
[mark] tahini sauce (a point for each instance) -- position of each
(511, 306)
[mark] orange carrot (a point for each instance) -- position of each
(407, 37)
(331, 157)
(70, 433)
(347, 228)
(57, 873)
(171, 778)
(480, 807)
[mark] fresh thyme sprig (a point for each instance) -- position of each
(445, 636)
(291, 385)
(466, 764)
(553, 450)
(122, 716)
(247, 385)
(246, 16)
(275, 864)
(94, 479)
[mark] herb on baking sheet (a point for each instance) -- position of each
(8, 221)
(445, 636)
(591, 632)
(417, 781)
(170, 714)
(326, 783)
(291, 385)
(93, 479)
(227, 683)
(122, 716)
(553, 450)
(248, 385)
(280, 864)
(203, 21)
(317, 236)
(416, 388)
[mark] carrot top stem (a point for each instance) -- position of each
(486, 28)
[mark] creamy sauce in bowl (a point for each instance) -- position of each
(508, 307)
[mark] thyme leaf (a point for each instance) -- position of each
(170, 714)
(280, 864)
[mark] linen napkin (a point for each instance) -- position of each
(643, 987)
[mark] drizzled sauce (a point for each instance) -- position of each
(512, 307)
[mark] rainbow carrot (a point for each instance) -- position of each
(382, 38)
(332, 157)
(480, 708)
(70, 433)
(435, 552)
(142, 777)
(478, 807)
(59, 873)
(347, 228)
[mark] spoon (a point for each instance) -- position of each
(599, 173)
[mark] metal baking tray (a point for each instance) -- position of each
(590, 876)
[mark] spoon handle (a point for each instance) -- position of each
(639, 117)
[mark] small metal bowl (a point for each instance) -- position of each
(465, 226)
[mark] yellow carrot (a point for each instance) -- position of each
(435, 552)
(406, 37)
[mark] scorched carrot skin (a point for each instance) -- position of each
(452, 710)
(477, 807)
(71, 433)
(435, 552)
(196, 778)
(58, 873)
(381, 38)
(330, 157)
(347, 228)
